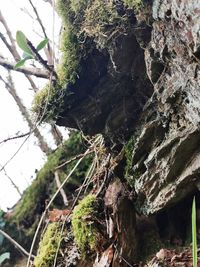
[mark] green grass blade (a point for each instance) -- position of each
(194, 234)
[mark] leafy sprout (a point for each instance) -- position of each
(22, 42)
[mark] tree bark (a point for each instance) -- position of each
(28, 71)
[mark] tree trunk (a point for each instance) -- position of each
(11, 89)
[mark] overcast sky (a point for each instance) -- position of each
(22, 168)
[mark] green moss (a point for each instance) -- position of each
(83, 226)
(33, 201)
(48, 101)
(133, 3)
(99, 16)
(48, 246)
(79, 5)
(85, 22)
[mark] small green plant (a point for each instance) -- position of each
(22, 42)
(194, 234)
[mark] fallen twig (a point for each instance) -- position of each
(62, 192)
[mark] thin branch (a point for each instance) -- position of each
(17, 245)
(43, 62)
(73, 159)
(49, 204)
(13, 46)
(57, 135)
(32, 131)
(13, 52)
(13, 49)
(14, 138)
(62, 192)
(41, 25)
(11, 89)
(29, 71)
(12, 182)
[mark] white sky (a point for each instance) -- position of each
(21, 169)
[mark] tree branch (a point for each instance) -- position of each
(74, 158)
(29, 71)
(17, 245)
(12, 182)
(42, 27)
(43, 62)
(14, 137)
(13, 46)
(13, 49)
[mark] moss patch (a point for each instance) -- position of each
(133, 3)
(83, 226)
(33, 200)
(86, 23)
(48, 246)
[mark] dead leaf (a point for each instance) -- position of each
(56, 215)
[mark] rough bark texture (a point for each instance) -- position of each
(167, 154)
(110, 95)
(145, 84)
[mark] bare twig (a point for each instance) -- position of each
(9, 84)
(42, 27)
(13, 49)
(62, 192)
(12, 182)
(17, 245)
(13, 46)
(13, 52)
(29, 71)
(14, 138)
(73, 159)
(57, 135)
(43, 62)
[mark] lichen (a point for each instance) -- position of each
(83, 226)
(48, 246)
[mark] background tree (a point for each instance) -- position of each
(10, 54)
